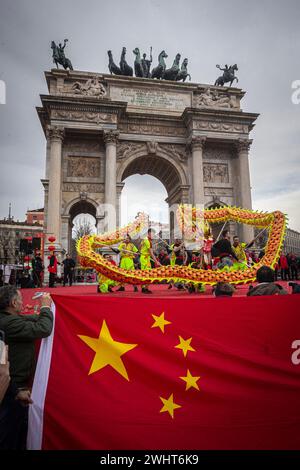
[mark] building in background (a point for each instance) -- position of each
(21, 239)
(35, 216)
(292, 242)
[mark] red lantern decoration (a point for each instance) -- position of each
(52, 239)
(51, 248)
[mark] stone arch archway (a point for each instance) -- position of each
(75, 207)
(162, 165)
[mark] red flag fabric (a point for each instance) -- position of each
(150, 373)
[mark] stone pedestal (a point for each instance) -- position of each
(110, 196)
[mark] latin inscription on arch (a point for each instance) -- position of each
(154, 99)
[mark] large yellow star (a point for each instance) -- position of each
(160, 322)
(169, 405)
(185, 345)
(108, 352)
(190, 381)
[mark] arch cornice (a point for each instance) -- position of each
(137, 150)
(93, 202)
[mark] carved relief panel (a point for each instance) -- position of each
(82, 167)
(215, 173)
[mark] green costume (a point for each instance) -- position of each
(145, 254)
(127, 258)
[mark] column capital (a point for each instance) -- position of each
(197, 142)
(110, 137)
(243, 145)
(55, 133)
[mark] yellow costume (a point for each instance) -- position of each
(239, 251)
(172, 256)
(105, 283)
(145, 254)
(127, 258)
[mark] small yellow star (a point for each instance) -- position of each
(185, 345)
(160, 322)
(169, 405)
(108, 351)
(190, 381)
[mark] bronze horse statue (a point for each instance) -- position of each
(158, 71)
(124, 67)
(59, 57)
(171, 74)
(183, 74)
(138, 68)
(228, 75)
(113, 68)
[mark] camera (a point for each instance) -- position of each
(295, 287)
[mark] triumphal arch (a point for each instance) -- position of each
(101, 128)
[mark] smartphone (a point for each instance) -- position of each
(37, 295)
(2, 348)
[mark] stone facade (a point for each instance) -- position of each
(292, 242)
(100, 129)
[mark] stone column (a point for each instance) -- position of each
(244, 189)
(197, 145)
(120, 186)
(55, 135)
(110, 198)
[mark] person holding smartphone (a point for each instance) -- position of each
(20, 331)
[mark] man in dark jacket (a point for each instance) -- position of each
(20, 331)
(266, 284)
(69, 265)
(224, 251)
(37, 268)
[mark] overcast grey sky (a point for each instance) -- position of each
(262, 37)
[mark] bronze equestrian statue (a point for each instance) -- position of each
(58, 55)
(228, 75)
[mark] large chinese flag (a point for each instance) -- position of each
(150, 373)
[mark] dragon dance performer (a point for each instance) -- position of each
(178, 257)
(146, 256)
(207, 246)
(127, 253)
(104, 284)
(239, 249)
(223, 250)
